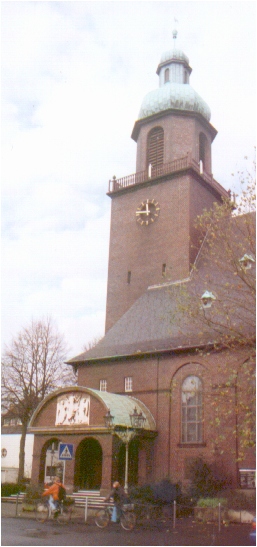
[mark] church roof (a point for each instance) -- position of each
(173, 54)
(174, 91)
(173, 96)
(161, 320)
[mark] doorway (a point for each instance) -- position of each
(50, 465)
(88, 465)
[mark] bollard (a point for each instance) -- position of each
(17, 501)
(174, 514)
(219, 517)
(86, 509)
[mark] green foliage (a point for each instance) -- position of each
(9, 488)
(206, 481)
(211, 502)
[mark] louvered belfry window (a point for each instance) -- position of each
(202, 148)
(155, 148)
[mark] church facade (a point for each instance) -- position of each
(153, 362)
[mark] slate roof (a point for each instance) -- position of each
(157, 322)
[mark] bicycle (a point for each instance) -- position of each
(62, 515)
(127, 517)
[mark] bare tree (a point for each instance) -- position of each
(32, 366)
(92, 343)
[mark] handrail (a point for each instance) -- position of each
(115, 185)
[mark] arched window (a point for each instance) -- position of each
(167, 75)
(155, 148)
(192, 410)
(202, 151)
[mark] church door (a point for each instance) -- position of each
(88, 465)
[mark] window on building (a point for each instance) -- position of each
(163, 270)
(166, 75)
(129, 278)
(128, 383)
(185, 77)
(192, 410)
(11, 421)
(103, 385)
(155, 149)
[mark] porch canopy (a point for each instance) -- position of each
(79, 408)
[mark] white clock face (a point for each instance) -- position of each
(147, 212)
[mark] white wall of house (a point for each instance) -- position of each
(10, 463)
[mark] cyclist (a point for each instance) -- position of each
(119, 498)
(53, 492)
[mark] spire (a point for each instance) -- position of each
(175, 33)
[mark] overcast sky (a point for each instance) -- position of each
(74, 75)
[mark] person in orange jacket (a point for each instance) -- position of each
(53, 492)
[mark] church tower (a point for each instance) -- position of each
(153, 239)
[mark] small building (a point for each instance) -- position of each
(10, 448)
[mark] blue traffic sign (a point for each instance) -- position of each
(65, 451)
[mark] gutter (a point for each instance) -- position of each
(140, 354)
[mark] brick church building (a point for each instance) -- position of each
(156, 369)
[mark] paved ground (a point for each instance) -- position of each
(23, 530)
(13, 510)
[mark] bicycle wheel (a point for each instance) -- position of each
(64, 516)
(42, 511)
(128, 520)
(102, 518)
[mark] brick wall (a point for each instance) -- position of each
(181, 136)
(157, 383)
(142, 250)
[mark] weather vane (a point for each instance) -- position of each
(175, 32)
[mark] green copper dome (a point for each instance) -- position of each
(176, 96)
(174, 90)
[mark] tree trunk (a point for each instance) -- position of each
(22, 452)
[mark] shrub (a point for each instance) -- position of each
(163, 492)
(206, 481)
(211, 502)
(185, 505)
(9, 488)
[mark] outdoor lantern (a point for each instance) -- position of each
(137, 419)
(246, 261)
(108, 419)
(207, 299)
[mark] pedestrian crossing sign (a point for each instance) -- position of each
(65, 451)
